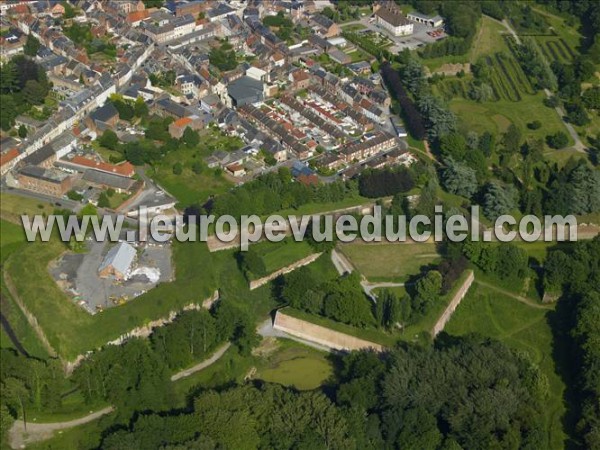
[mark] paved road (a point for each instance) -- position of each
(204, 364)
(579, 146)
(19, 437)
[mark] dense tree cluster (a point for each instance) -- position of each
(575, 273)
(381, 183)
(27, 384)
(461, 19)
(430, 113)
(136, 375)
(459, 179)
(574, 189)
(505, 261)
(276, 191)
(534, 64)
(340, 299)
(23, 84)
(129, 109)
(412, 116)
(244, 418)
(498, 200)
(223, 57)
(463, 394)
(466, 393)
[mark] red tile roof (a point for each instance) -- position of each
(124, 169)
(136, 16)
(8, 156)
(184, 121)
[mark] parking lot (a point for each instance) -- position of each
(419, 38)
(77, 275)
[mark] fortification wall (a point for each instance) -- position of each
(321, 335)
(447, 314)
(287, 269)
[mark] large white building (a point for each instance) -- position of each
(389, 16)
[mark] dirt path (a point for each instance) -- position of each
(19, 437)
(369, 287)
(520, 298)
(204, 364)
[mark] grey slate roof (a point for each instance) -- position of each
(120, 257)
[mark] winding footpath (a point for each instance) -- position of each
(19, 437)
(204, 364)
(525, 300)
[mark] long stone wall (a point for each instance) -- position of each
(460, 294)
(146, 330)
(287, 269)
(215, 245)
(321, 335)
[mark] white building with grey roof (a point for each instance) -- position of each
(118, 261)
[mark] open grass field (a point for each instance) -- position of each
(496, 117)
(554, 48)
(71, 330)
(277, 255)
(117, 200)
(13, 206)
(566, 32)
(188, 188)
(389, 262)
(11, 241)
(523, 328)
(297, 365)
(488, 40)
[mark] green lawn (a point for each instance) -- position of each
(496, 116)
(11, 241)
(488, 40)
(359, 55)
(296, 365)
(13, 206)
(189, 187)
(389, 262)
(565, 31)
(522, 327)
(317, 208)
(198, 274)
(353, 27)
(117, 200)
(277, 255)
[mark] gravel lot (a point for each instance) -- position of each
(77, 275)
